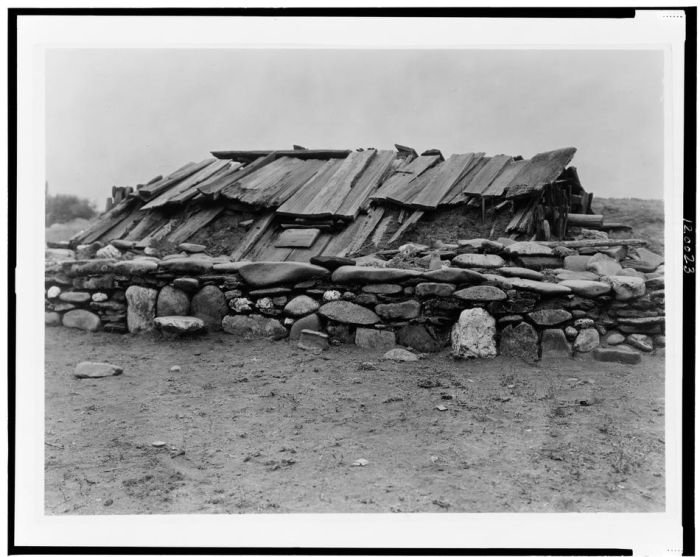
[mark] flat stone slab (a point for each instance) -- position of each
(309, 322)
(230, 267)
(528, 248)
(192, 248)
(95, 370)
(268, 273)
(455, 276)
(252, 326)
(123, 244)
(480, 293)
(603, 265)
(478, 260)
(75, 297)
(575, 275)
(481, 244)
(642, 342)
(313, 340)
(382, 288)
(93, 267)
(587, 288)
(554, 344)
(650, 257)
(355, 274)
(544, 288)
(519, 341)
(348, 312)
(620, 354)
(522, 272)
(549, 317)
(136, 267)
(587, 340)
(179, 324)
(440, 289)
(539, 262)
(474, 335)
(193, 265)
(498, 280)
(576, 263)
(331, 262)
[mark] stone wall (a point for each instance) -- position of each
(483, 298)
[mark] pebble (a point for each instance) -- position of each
(176, 369)
(158, 444)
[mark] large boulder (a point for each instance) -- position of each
(375, 339)
(480, 293)
(576, 263)
(519, 341)
(474, 335)
(172, 301)
(348, 312)
(587, 288)
(626, 288)
(549, 317)
(650, 257)
(587, 340)
(309, 322)
(555, 345)
(248, 327)
(179, 325)
(81, 319)
(478, 260)
(528, 248)
(358, 274)
(603, 265)
(420, 337)
(52, 319)
(141, 308)
(454, 275)
(410, 309)
(300, 306)
(268, 273)
(209, 304)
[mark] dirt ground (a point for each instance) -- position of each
(264, 427)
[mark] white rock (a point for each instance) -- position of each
(53, 292)
(528, 248)
(99, 297)
(331, 295)
(108, 252)
(626, 288)
(473, 336)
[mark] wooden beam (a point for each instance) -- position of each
(594, 243)
(586, 221)
(254, 234)
(410, 221)
(249, 156)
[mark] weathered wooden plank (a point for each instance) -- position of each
(295, 181)
(158, 233)
(254, 234)
(450, 172)
(410, 190)
(194, 192)
(123, 227)
(329, 199)
(219, 185)
(150, 191)
(303, 255)
(594, 243)
(211, 169)
(368, 225)
(504, 179)
(297, 204)
(377, 169)
(587, 221)
(406, 172)
(482, 180)
(195, 223)
(544, 168)
(339, 242)
(106, 222)
(410, 221)
(381, 229)
(249, 156)
(455, 195)
(297, 238)
(151, 220)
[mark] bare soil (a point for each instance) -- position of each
(261, 427)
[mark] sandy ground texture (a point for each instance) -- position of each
(265, 427)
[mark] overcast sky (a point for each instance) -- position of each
(120, 117)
